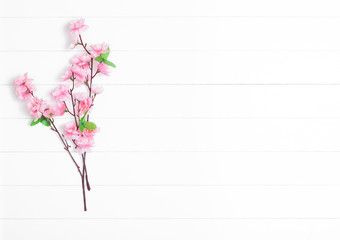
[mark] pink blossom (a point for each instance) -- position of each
(49, 112)
(77, 27)
(82, 61)
(84, 105)
(79, 74)
(80, 96)
(36, 107)
(24, 87)
(90, 133)
(61, 93)
(103, 68)
(99, 49)
(23, 80)
(84, 144)
(24, 93)
(66, 76)
(70, 131)
(96, 89)
(60, 109)
(74, 43)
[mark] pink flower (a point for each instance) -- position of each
(36, 107)
(60, 109)
(74, 43)
(70, 131)
(99, 49)
(77, 27)
(82, 61)
(79, 74)
(49, 112)
(96, 89)
(80, 96)
(23, 80)
(84, 144)
(66, 76)
(90, 133)
(24, 93)
(61, 93)
(24, 87)
(84, 105)
(103, 68)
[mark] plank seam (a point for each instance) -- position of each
(178, 185)
(172, 218)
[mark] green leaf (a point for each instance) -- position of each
(111, 64)
(90, 126)
(81, 127)
(99, 59)
(45, 122)
(33, 123)
(105, 55)
(83, 118)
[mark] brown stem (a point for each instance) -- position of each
(84, 46)
(90, 89)
(68, 109)
(66, 145)
(83, 184)
(74, 106)
(95, 74)
(86, 175)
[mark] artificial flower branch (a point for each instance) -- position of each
(80, 131)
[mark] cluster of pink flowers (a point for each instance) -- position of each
(36, 107)
(84, 140)
(24, 88)
(70, 97)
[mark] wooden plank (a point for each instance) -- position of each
(169, 229)
(186, 135)
(173, 169)
(187, 67)
(202, 101)
(177, 34)
(171, 202)
(171, 8)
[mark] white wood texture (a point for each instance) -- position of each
(168, 229)
(171, 202)
(188, 135)
(221, 121)
(132, 8)
(195, 102)
(179, 33)
(187, 67)
(174, 169)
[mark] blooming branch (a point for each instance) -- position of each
(83, 69)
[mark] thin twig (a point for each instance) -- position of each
(84, 46)
(66, 145)
(68, 109)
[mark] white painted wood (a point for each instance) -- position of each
(222, 122)
(171, 202)
(187, 102)
(187, 135)
(41, 8)
(169, 229)
(189, 34)
(173, 169)
(187, 67)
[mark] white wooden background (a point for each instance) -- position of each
(221, 121)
